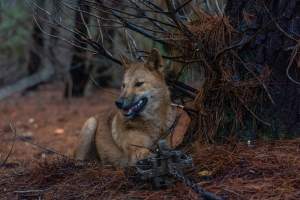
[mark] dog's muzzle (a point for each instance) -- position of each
(131, 107)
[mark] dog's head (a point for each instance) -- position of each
(143, 87)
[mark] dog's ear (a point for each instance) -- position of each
(125, 62)
(155, 61)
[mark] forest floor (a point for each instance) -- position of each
(44, 119)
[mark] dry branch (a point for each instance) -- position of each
(26, 82)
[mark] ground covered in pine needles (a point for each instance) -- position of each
(44, 120)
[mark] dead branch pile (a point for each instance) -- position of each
(232, 91)
(267, 171)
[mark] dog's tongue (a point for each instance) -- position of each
(133, 109)
(128, 111)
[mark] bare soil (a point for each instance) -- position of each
(267, 170)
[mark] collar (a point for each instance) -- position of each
(179, 127)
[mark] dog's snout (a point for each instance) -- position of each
(125, 101)
(120, 103)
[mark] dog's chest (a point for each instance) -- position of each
(133, 140)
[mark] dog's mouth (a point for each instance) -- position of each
(135, 108)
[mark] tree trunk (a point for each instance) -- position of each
(34, 62)
(36, 50)
(78, 71)
(271, 29)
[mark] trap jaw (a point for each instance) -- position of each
(158, 167)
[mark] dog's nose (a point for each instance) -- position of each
(120, 103)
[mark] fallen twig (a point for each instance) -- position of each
(12, 146)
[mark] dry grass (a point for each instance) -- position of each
(267, 171)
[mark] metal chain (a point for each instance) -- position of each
(167, 164)
(193, 185)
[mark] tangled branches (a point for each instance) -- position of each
(235, 92)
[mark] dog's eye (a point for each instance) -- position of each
(138, 84)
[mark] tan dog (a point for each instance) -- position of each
(144, 114)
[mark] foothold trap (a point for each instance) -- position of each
(157, 168)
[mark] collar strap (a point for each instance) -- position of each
(180, 126)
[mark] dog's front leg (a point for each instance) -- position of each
(86, 149)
